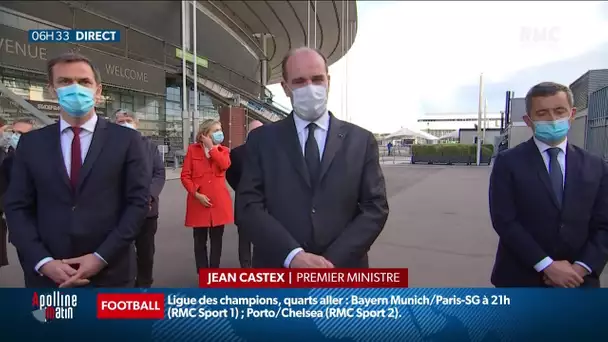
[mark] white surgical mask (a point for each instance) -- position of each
(309, 102)
(128, 125)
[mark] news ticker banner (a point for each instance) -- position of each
(320, 314)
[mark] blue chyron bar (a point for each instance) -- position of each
(73, 36)
(415, 314)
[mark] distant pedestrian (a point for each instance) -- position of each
(389, 147)
(14, 133)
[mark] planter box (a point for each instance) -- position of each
(423, 159)
(458, 159)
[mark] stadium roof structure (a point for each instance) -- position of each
(291, 24)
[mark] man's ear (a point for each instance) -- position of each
(98, 95)
(286, 89)
(573, 114)
(52, 91)
(528, 121)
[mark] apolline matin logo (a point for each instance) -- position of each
(53, 306)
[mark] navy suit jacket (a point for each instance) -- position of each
(530, 223)
(234, 172)
(104, 215)
(157, 169)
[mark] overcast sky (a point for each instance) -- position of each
(411, 58)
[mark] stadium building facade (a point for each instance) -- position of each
(239, 47)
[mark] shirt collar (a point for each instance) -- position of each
(87, 126)
(322, 122)
(543, 147)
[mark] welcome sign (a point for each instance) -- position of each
(17, 52)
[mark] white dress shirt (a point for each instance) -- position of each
(320, 137)
(66, 137)
(561, 159)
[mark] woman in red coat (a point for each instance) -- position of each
(208, 203)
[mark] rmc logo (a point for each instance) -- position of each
(540, 35)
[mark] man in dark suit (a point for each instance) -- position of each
(17, 129)
(312, 193)
(144, 244)
(233, 176)
(549, 202)
(79, 189)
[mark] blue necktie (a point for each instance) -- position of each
(556, 175)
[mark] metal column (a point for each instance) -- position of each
(264, 39)
(185, 113)
(315, 22)
(479, 117)
(308, 23)
(195, 113)
(485, 120)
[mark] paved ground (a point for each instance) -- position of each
(438, 227)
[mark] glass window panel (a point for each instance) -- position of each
(126, 98)
(126, 106)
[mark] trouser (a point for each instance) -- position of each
(244, 249)
(3, 243)
(211, 260)
(144, 246)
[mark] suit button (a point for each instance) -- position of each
(314, 210)
(562, 226)
(73, 208)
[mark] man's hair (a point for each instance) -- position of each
(296, 50)
(28, 121)
(71, 57)
(545, 89)
(125, 112)
(253, 124)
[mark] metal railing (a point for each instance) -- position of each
(398, 155)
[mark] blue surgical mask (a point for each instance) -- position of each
(76, 100)
(217, 137)
(551, 131)
(14, 140)
(128, 125)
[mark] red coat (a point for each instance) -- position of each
(208, 177)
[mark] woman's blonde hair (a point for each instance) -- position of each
(205, 127)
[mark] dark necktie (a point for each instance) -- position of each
(555, 174)
(311, 154)
(76, 158)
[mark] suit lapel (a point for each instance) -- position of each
(541, 169)
(335, 136)
(573, 173)
(58, 157)
(97, 143)
(293, 147)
